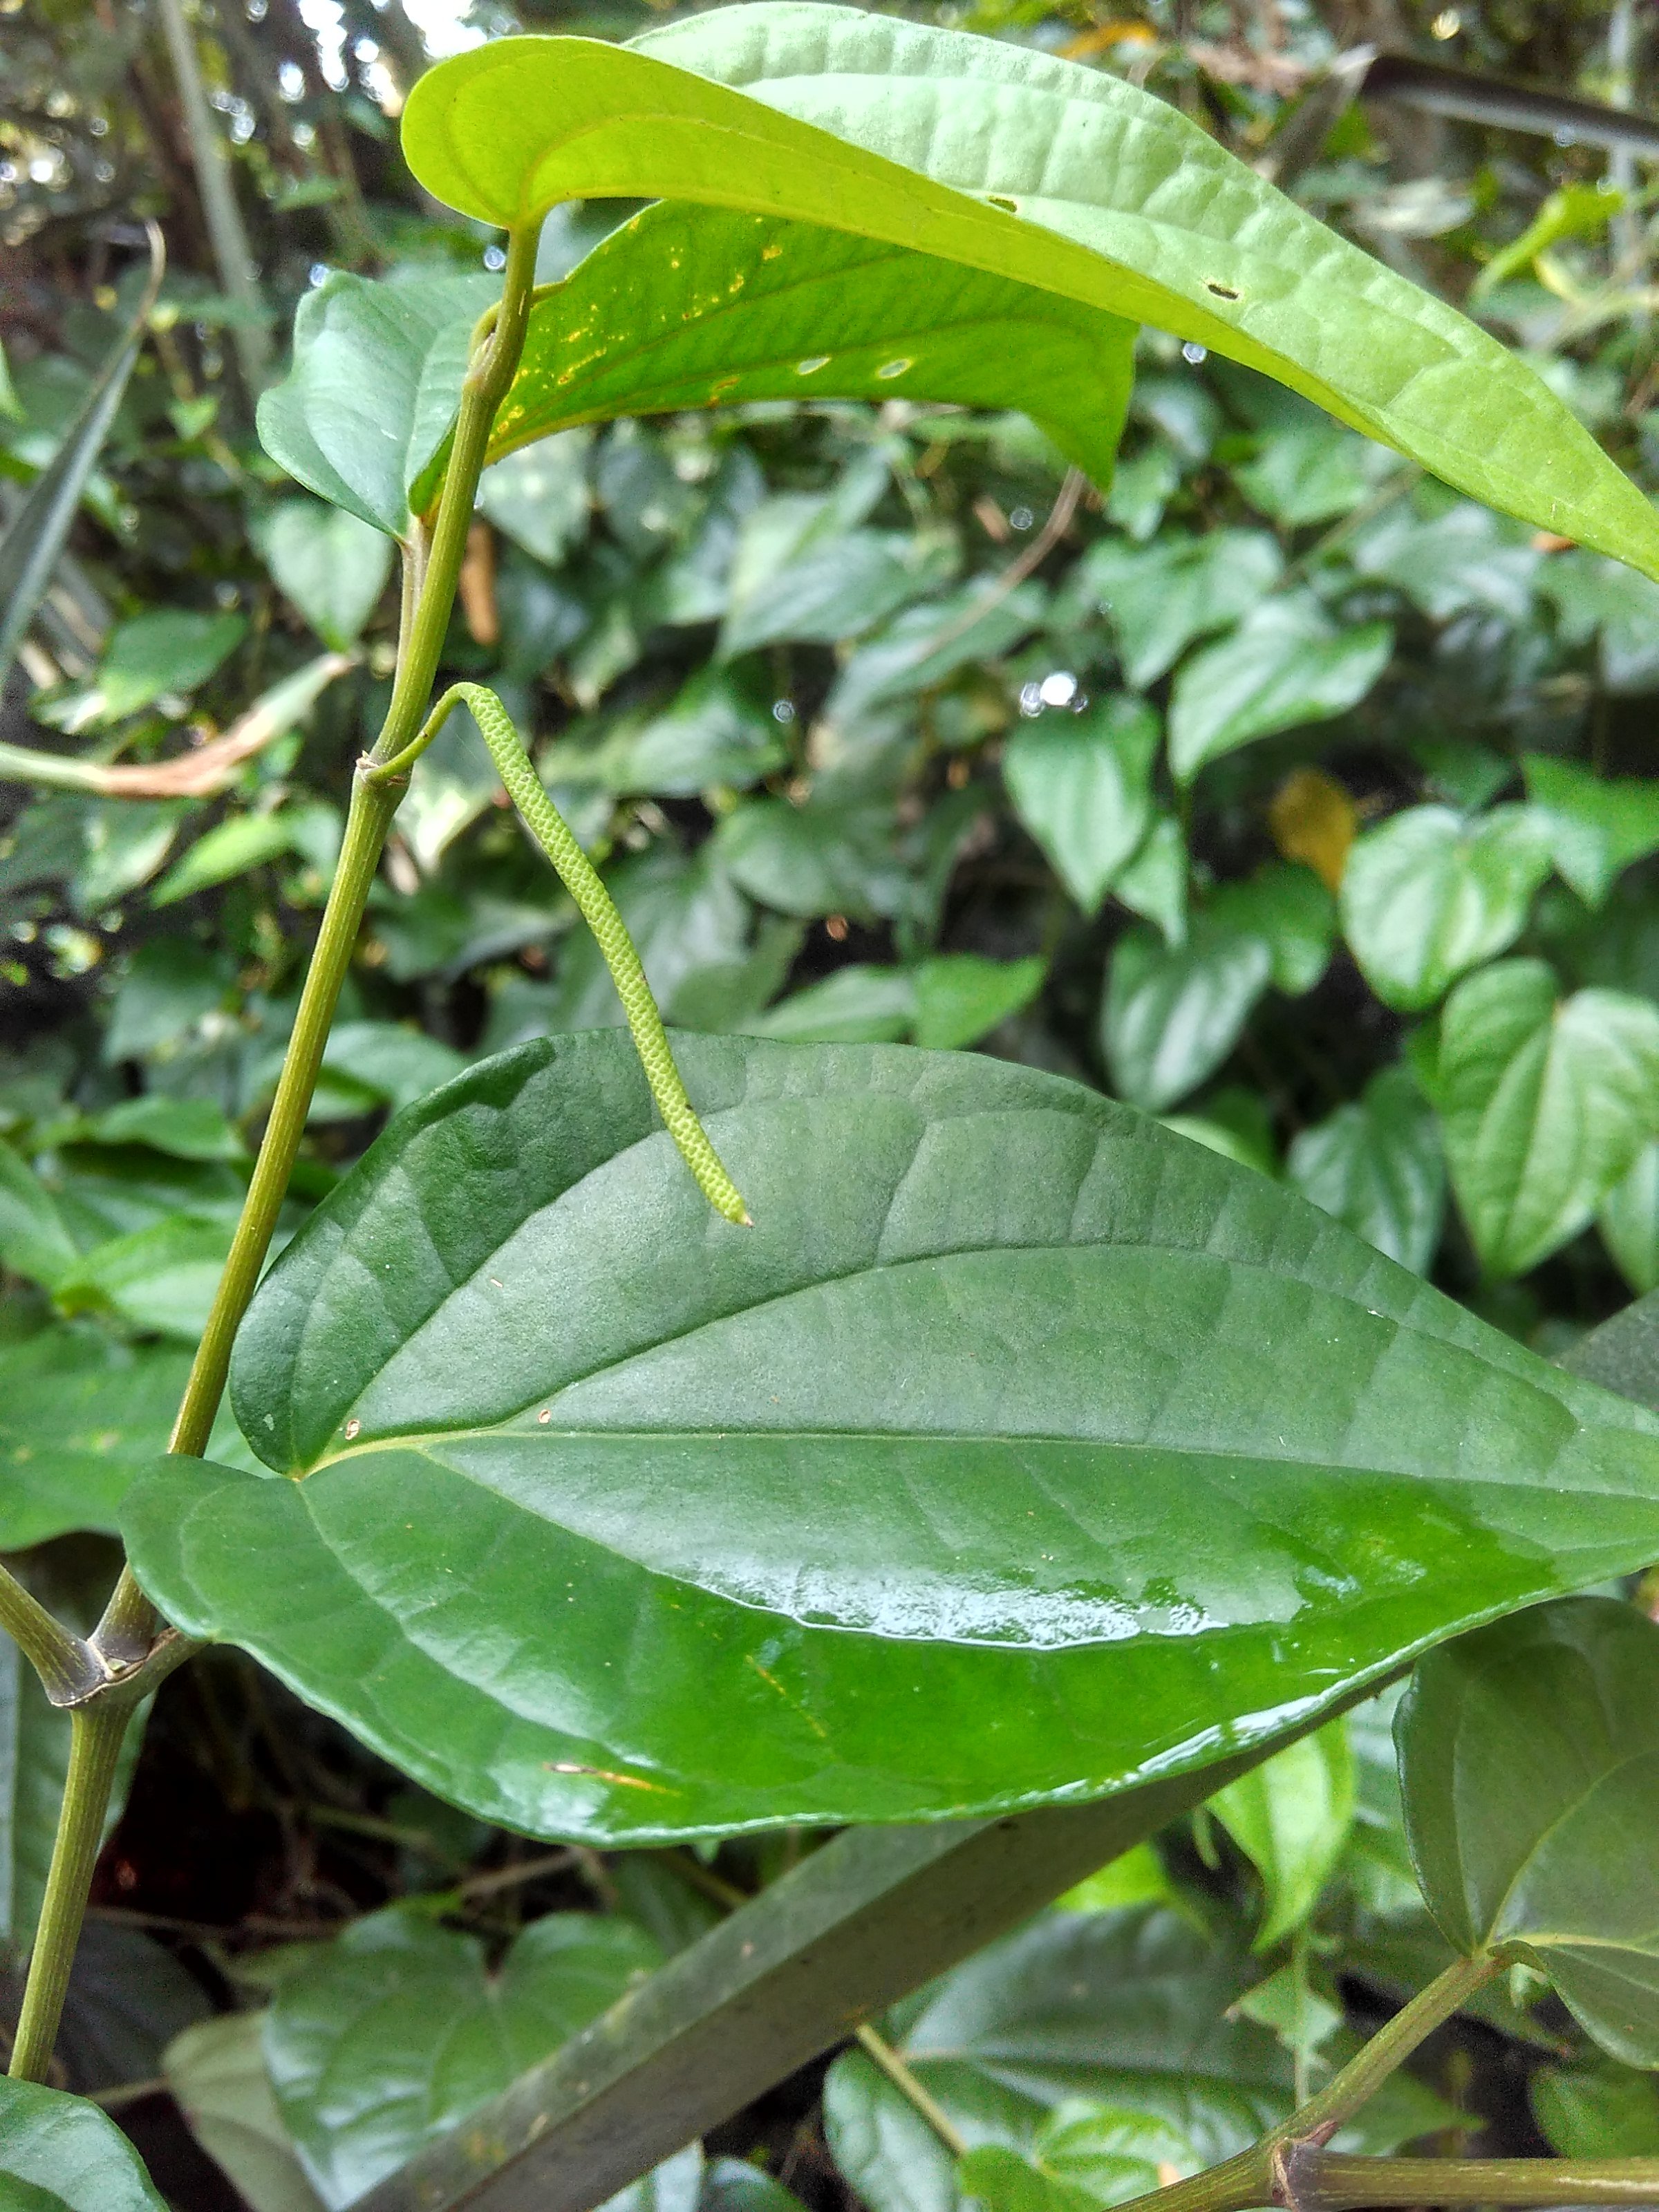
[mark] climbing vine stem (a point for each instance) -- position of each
(130, 1646)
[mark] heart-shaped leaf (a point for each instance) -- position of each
(1285, 666)
(1025, 166)
(1429, 895)
(1529, 1759)
(330, 562)
(1128, 2009)
(1086, 2155)
(1377, 1165)
(1172, 1013)
(1124, 1454)
(1545, 1103)
(395, 2033)
(349, 420)
(1160, 596)
(1081, 785)
(59, 2154)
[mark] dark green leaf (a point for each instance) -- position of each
(1377, 1166)
(1287, 907)
(1545, 1103)
(1460, 559)
(1310, 472)
(716, 730)
(1286, 665)
(59, 2154)
(1081, 785)
(539, 495)
(1529, 1757)
(1126, 2009)
(619, 1622)
(1430, 895)
(41, 525)
(731, 2185)
(820, 857)
(1623, 1353)
(395, 2033)
(510, 129)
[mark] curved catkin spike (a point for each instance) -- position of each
(580, 878)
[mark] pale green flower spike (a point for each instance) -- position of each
(577, 873)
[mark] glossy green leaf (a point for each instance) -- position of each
(350, 421)
(217, 2072)
(1290, 1817)
(731, 2185)
(79, 1414)
(1544, 1104)
(1285, 666)
(618, 1622)
(792, 578)
(1154, 884)
(1081, 785)
(1629, 1221)
(1623, 1353)
(1086, 2155)
(1378, 1166)
(59, 2154)
(395, 2033)
(821, 857)
(1597, 828)
(1430, 895)
(1529, 1757)
(1172, 1013)
(1129, 2010)
(331, 564)
(694, 306)
(1043, 174)
(1160, 596)
(1310, 471)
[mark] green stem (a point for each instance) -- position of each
(496, 352)
(881, 2053)
(1366, 2072)
(126, 1639)
(97, 1731)
(580, 878)
(1327, 2181)
(67, 1669)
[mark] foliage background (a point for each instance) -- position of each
(1277, 790)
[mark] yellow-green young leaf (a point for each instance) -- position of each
(1544, 1104)
(1290, 1817)
(619, 1620)
(1530, 1760)
(1026, 167)
(60, 2154)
